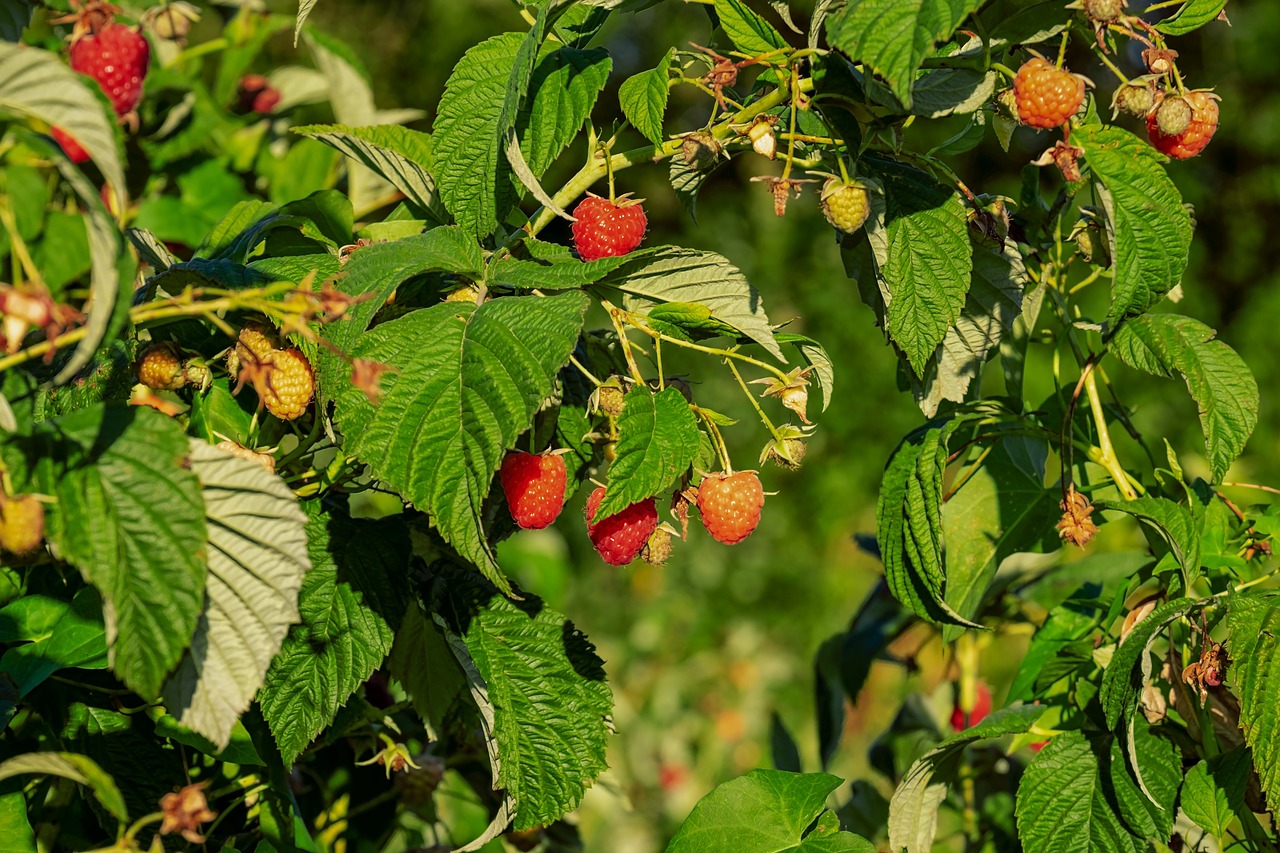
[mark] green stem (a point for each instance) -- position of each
(659, 336)
(1109, 459)
(755, 404)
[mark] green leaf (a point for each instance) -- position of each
(1065, 799)
(77, 768)
(924, 259)
(15, 16)
(1175, 524)
(814, 355)
(951, 91)
(767, 811)
(1219, 380)
(1130, 667)
(643, 98)
(893, 37)
(749, 32)
(469, 381)
(15, 829)
(1010, 22)
(257, 557)
(657, 441)
(239, 748)
(422, 662)
(547, 274)
(47, 634)
(350, 606)
(304, 9)
(131, 518)
(544, 703)
(1149, 229)
(1067, 623)
(655, 276)
(401, 156)
(1002, 509)
(1254, 623)
(913, 811)
(1156, 765)
(564, 87)
(1206, 802)
(1192, 16)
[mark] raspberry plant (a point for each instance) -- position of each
(265, 322)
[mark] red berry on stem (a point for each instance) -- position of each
(606, 230)
(981, 707)
(1046, 96)
(535, 487)
(70, 147)
(730, 505)
(619, 538)
(1192, 140)
(116, 57)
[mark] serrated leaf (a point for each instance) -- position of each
(548, 274)
(913, 811)
(1154, 763)
(1175, 524)
(564, 88)
(422, 662)
(924, 259)
(655, 276)
(749, 32)
(767, 811)
(545, 688)
(1065, 799)
(401, 156)
(1219, 380)
(1192, 16)
(1205, 801)
(1148, 228)
(1002, 509)
(893, 37)
(257, 558)
(469, 381)
(1254, 623)
(78, 768)
(643, 98)
(131, 518)
(1010, 22)
(951, 91)
(1125, 676)
(304, 9)
(350, 607)
(657, 441)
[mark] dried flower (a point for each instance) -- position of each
(1076, 527)
(184, 811)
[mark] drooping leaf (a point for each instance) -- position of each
(767, 811)
(469, 381)
(643, 98)
(131, 518)
(893, 37)
(257, 558)
(541, 687)
(1254, 623)
(814, 355)
(422, 662)
(351, 605)
(913, 811)
(657, 441)
(951, 91)
(655, 276)
(1148, 228)
(1219, 381)
(77, 768)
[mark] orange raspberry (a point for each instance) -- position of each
(160, 367)
(1046, 96)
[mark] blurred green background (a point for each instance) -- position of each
(702, 653)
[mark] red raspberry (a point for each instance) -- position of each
(981, 707)
(1189, 143)
(257, 95)
(69, 145)
(620, 538)
(607, 230)
(117, 58)
(535, 487)
(1046, 96)
(730, 505)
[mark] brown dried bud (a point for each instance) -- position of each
(1076, 527)
(1065, 156)
(700, 150)
(184, 811)
(1159, 60)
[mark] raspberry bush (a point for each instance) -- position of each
(280, 374)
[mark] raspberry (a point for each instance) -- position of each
(1173, 116)
(117, 58)
(21, 523)
(1104, 11)
(1046, 96)
(620, 538)
(606, 230)
(845, 205)
(70, 147)
(657, 550)
(289, 385)
(1134, 98)
(1192, 140)
(266, 460)
(257, 95)
(160, 368)
(611, 399)
(534, 486)
(730, 505)
(255, 339)
(981, 707)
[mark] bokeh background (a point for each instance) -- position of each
(710, 655)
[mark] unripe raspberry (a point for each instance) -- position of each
(466, 293)
(1173, 115)
(289, 385)
(160, 367)
(657, 550)
(526, 839)
(256, 339)
(846, 205)
(418, 785)
(730, 505)
(266, 460)
(1134, 98)
(610, 398)
(21, 523)
(197, 372)
(1104, 11)
(1196, 135)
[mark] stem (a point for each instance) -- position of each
(1062, 48)
(755, 404)
(659, 336)
(722, 449)
(625, 341)
(1270, 489)
(587, 373)
(1109, 459)
(1114, 70)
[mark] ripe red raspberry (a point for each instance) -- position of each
(1189, 143)
(70, 147)
(535, 487)
(289, 384)
(1046, 96)
(730, 505)
(607, 230)
(160, 368)
(116, 57)
(981, 707)
(620, 538)
(257, 95)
